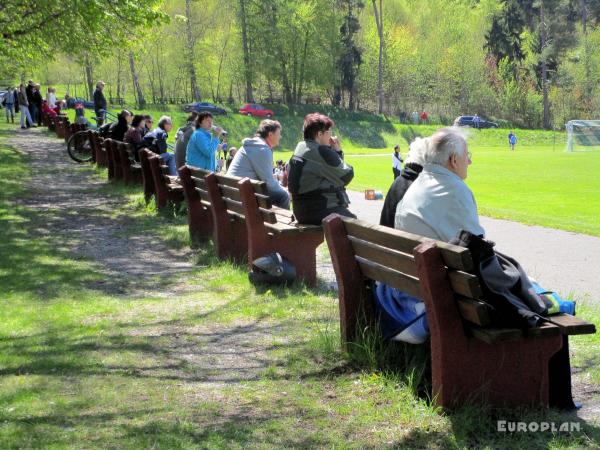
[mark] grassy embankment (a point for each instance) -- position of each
(538, 184)
(83, 365)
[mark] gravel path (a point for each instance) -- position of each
(560, 260)
(72, 208)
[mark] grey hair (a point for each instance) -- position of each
(438, 148)
(163, 121)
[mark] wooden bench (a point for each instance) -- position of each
(147, 178)
(113, 158)
(273, 229)
(230, 235)
(73, 128)
(166, 187)
(61, 124)
(130, 168)
(246, 226)
(200, 219)
(98, 152)
(470, 360)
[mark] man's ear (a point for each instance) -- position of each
(452, 160)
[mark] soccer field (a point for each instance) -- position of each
(534, 185)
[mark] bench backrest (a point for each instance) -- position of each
(362, 251)
(197, 175)
(228, 189)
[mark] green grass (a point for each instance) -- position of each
(84, 367)
(539, 184)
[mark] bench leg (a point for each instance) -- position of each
(231, 240)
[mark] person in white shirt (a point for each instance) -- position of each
(51, 98)
(439, 204)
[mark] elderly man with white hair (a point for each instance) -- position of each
(156, 140)
(439, 204)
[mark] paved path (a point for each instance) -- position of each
(566, 262)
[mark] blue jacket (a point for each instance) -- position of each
(201, 150)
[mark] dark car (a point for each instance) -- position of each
(467, 121)
(204, 106)
(72, 101)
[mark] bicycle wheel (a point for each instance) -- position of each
(79, 147)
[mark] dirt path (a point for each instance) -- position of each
(72, 208)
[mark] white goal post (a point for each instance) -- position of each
(583, 135)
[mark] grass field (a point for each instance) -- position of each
(86, 367)
(538, 184)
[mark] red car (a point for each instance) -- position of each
(252, 109)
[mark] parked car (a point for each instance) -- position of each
(467, 121)
(252, 109)
(204, 106)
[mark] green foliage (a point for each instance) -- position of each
(73, 27)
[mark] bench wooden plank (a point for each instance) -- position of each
(203, 195)
(496, 335)
(474, 311)
(546, 329)
(571, 325)
(396, 260)
(465, 284)
(260, 187)
(234, 206)
(454, 256)
(393, 278)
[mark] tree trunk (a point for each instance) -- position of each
(89, 77)
(190, 51)
(587, 89)
(543, 40)
(302, 65)
(119, 88)
(379, 22)
(137, 89)
(247, 68)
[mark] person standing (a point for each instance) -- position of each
(203, 146)
(30, 103)
(254, 159)
(100, 103)
(230, 156)
(37, 101)
(396, 162)
(9, 104)
(423, 117)
(26, 120)
(477, 122)
(183, 138)
(51, 98)
(512, 140)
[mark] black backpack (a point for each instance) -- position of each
(506, 287)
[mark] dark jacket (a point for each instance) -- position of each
(29, 93)
(317, 179)
(397, 190)
(183, 137)
(118, 130)
(99, 100)
(37, 99)
(156, 140)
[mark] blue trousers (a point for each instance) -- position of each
(169, 159)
